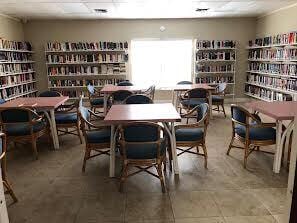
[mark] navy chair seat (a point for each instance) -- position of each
(256, 133)
(23, 129)
(189, 134)
(97, 101)
(66, 118)
(216, 98)
(193, 102)
(98, 136)
(144, 151)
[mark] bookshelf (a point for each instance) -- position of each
(17, 74)
(215, 62)
(71, 66)
(272, 68)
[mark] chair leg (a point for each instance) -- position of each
(123, 176)
(218, 107)
(197, 148)
(79, 133)
(246, 153)
(230, 146)
(34, 148)
(86, 157)
(224, 110)
(205, 155)
(9, 190)
(160, 173)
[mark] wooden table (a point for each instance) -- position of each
(178, 89)
(165, 113)
(280, 111)
(43, 104)
(109, 89)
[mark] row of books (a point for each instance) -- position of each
(215, 55)
(17, 79)
(279, 83)
(14, 45)
(81, 58)
(72, 46)
(279, 39)
(15, 68)
(214, 80)
(214, 68)
(273, 54)
(7, 93)
(267, 94)
(88, 70)
(281, 69)
(83, 83)
(14, 56)
(215, 44)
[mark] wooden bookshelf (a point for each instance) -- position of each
(17, 74)
(71, 66)
(272, 68)
(215, 62)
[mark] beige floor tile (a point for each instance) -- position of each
(239, 203)
(201, 220)
(250, 219)
(282, 218)
(194, 204)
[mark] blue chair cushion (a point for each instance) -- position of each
(216, 98)
(23, 129)
(66, 118)
(189, 134)
(256, 133)
(98, 136)
(144, 151)
(97, 101)
(192, 102)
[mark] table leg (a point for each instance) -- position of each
(173, 98)
(52, 122)
(279, 147)
(105, 103)
(286, 136)
(210, 104)
(171, 134)
(112, 152)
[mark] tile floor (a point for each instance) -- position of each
(53, 188)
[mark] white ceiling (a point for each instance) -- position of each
(77, 9)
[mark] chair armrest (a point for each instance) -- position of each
(263, 125)
(188, 115)
(66, 108)
(100, 117)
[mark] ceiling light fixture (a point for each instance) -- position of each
(202, 9)
(100, 10)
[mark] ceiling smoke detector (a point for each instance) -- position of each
(202, 9)
(100, 10)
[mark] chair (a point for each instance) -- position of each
(50, 94)
(142, 146)
(184, 82)
(97, 137)
(96, 99)
(118, 97)
(194, 134)
(138, 99)
(150, 92)
(125, 83)
(23, 125)
(5, 181)
(2, 101)
(218, 98)
(67, 120)
(248, 129)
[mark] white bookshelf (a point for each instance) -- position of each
(17, 74)
(81, 71)
(211, 70)
(272, 68)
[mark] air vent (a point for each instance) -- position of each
(100, 10)
(202, 9)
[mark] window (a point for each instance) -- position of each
(161, 62)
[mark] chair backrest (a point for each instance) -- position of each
(91, 89)
(125, 83)
(2, 101)
(197, 93)
(50, 94)
(2, 146)
(120, 95)
(151, 92)
(222, 87)
(138, 99)
(203, 112)
(184, 82)
(17, 115)
(240, 115)
(141, 132)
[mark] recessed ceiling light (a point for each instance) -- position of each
(100, 10)
(202, 9)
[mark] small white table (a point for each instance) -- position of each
(165, 113)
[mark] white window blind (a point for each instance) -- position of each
(161, 62)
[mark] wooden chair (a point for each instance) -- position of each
(118, 97)
(142, 145)
(150, 92)
(97, 137)
(50, 94)
(67, 120)
(125, 83)
(138, 99)
(184, 82)
(96, 99)
(23, 125)
(194, 134)
(248, 129)
(5, 181)
(218, 98)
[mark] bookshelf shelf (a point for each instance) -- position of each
(215, 62)
(17, 75)
(272, 68)
(257, 97)
(72, 66)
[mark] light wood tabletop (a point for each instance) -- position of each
(109, 88)
(185, 87)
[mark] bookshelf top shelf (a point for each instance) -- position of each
(86, 63)
(4, 62)
(16, 51)
(257, 97)
(214, 49)
(273, 88)
(271, 46)
(85, 51)
(203, 61)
